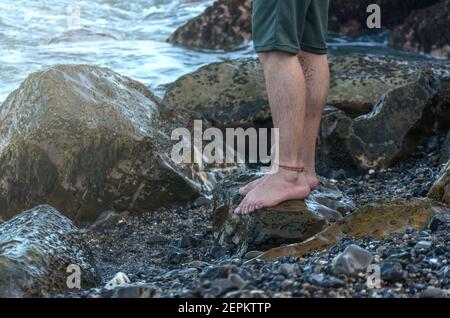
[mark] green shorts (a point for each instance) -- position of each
(290, 25)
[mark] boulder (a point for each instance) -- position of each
(425, 31)
(378, 219)
(401, 119)
(291, 221)
(441, 188)
(223, 25)
(36, 249)
(85, 140)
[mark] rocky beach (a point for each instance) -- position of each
(87, 180)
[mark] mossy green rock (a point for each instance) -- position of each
(441, 188)
(292, 221)
(36, 248)
(85, 139)
(377, 219)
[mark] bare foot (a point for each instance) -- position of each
(274, 189)
(311, 179)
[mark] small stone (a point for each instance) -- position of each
(436, 221)
(133, 292)
(433, 292)
(176, 258)
(201, 201)
(188, 241)
(354, 259)
(156, 239)
(325, 280)
(423, 245)
(120, 279)
(392, 272)
(237, 281)
(287, 269)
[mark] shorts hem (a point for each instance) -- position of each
(313, 49)
(277, 47)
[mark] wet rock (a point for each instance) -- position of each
(85, 34)
(377, 219)
(85, 139)
(292, 221)
(224, 25)
(354, 259)
(120, 279)
(326, 281)
(425, 31)
(392, 272)
(441, 188)
(36, 249)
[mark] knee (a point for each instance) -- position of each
(274, 56)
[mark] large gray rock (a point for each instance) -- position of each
(290, 222)
(401, 119)
(85, 139)
(36, 248)
(425, 31)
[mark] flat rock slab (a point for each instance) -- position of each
(377, 219)
(291, 221)
(36, 248)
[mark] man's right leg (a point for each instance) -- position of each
(317, 77)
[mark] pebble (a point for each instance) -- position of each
(120, 279)
(354, 259)
(433, 292)
(325, 280)
(423, 245)
(392, 272)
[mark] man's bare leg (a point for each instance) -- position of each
(317, 76)
(286, 91)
